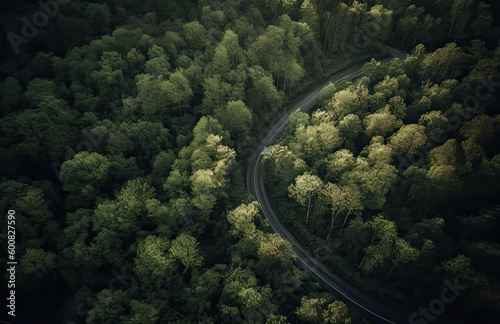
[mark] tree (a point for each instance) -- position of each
(408, 23)
(277, 319)
(286, 164)
(428, 234)
(310, 16)
(109, 78)
(396, 104)
(389, 87)
(444, 63)
(382, 232)
(242, 298)
(11, 94)
(481, 225)
(106, 248)
(127, 212)
(235, 118)
(316, 141)
(242, 220)
(212, 19)
(337, 313)
(185, 249)
(98, 17)
(380, 21)
(142, 313)
(379, 153)
(42, 134)
(353, 100)
(109, 306)
(173, 43)
(460, 14)
(85, 175)
(381, 124)
(425, 28)
(373, 182)
(143, 140)
(37, 263)
(202, 290)
(474, 155)
(305, 187)
(37, 89)
(293, 73)
(441, 95)
(268, 50)
(350, 127)
(343, 200)
(263, 97)
(216, 93)
(484, 130)
(460, 267)
(221, 63)
(337, 28)
(203, 184)
(326, 94)
(406, 140)
(446, 154)
(310, 309)
(195, 35)
(417, 108)
(135, 61)
(36, 227)
(402, 252)
(153, 263)
(152, 95)
(230, 41)
(481, 24)
(338, 163)
(180, 93)
(444, 181)
(435, 123)
(275, 256)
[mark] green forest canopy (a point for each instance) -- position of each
(125, 127)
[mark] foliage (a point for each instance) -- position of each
(124, 133)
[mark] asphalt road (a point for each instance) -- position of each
(255, 184)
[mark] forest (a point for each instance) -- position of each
(126, 128)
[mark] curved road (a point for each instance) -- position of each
(255, 184)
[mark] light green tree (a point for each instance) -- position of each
(306, 186)
(343, 201)
(185, 249)
(37, 263)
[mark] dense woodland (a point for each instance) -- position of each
(125, 128)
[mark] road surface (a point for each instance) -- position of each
(255, 184)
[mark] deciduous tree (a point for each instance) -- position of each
(305, 188)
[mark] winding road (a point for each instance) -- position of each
(255, 185)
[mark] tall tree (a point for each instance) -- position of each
(408, 23)
(304, 189)
(153, 264)
(242, 220)
(406, 140)
(236, 118)
(343, 200)
(444, 63)
(460, 15)
(185, 249)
